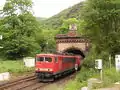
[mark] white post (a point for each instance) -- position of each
(101, 75)
(110, 61)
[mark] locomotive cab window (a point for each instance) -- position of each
(44, 59)
(48, 59)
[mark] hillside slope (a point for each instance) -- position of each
(57, 20)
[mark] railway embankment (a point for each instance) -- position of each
(30, 82)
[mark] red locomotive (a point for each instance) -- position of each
(50, 66)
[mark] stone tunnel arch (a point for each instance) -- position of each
(72, 42)
(75, 51)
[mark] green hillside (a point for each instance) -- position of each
(56, 20)
(40, 18)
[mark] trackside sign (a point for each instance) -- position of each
(117, 62)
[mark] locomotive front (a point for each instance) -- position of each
(44, 67)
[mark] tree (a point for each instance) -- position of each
(66, 23)
(16, 7)
(46, 40)
(101, 22)
(18, 27)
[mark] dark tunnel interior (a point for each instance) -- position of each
(75, 52)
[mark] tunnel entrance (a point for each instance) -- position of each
(74, 51)
(72, 42)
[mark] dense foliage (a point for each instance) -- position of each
(100, 21)
(23, 35)
(46, 41)
(18, 27)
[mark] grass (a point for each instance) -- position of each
(74, 85)
(110, 76)
(14, 67)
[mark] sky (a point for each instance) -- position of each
(48, 8)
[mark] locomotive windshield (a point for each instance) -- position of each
(44, 59)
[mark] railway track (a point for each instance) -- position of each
(35, 86)
(59, 81)
(8, 85)
(31, 83)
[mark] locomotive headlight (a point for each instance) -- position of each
(41, 69)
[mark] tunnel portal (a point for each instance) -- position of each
(72, 42)
(74, 51)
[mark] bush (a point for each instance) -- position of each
(89, 61)
(81, 79)
(110, 76)
(19, 48)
